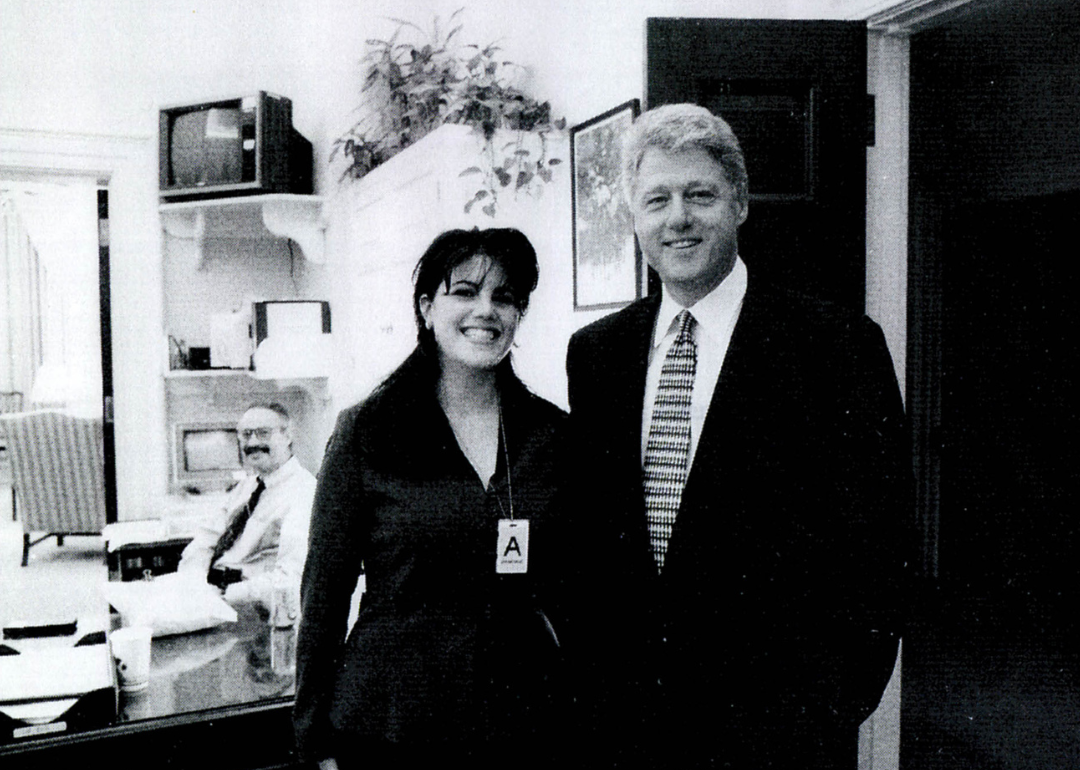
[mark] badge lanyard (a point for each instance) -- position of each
(506, 458)
(512, 549)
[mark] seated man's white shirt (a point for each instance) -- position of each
(715, 314)
(273, 545)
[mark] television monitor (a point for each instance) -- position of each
(206, 457)
(241, 146)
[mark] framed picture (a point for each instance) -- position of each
(608, 270)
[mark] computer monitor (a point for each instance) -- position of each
(206, 457)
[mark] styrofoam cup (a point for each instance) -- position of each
(131, 651)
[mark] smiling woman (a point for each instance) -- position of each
(441, 482)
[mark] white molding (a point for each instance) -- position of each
(32, 154)
(910, 16)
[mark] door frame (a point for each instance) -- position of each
(120, 165)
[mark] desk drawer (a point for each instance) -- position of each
(137, 560)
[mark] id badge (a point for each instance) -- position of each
(512, 554)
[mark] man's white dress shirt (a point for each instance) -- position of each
(273, 546)
(716, 314)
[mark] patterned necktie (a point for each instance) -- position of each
(236, 526)
(667, 451)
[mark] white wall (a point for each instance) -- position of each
(105, 66)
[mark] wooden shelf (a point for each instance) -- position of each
(279, 215)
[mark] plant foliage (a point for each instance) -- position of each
(412, 88)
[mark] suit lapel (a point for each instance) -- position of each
(734, 397)
(628, 362)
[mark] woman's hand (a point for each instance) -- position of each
(328, 764)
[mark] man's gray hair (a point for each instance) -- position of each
(677, 127)
(272, 406)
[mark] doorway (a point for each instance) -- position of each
(54, 319)
(991, 664)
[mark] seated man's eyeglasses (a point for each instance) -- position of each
(260, 433)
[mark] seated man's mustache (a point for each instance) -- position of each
(250, 450)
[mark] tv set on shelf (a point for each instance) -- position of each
(206, 457)
(240, 146)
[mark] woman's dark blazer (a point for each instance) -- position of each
(444, 648)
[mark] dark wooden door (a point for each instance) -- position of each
(795, 94)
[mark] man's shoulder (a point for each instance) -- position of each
(619, 323)
(306, 477)
(295, 477)
(803, 316)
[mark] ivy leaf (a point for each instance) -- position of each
(545, 174)
(489, 210)
(555, 161)
(523, 178)
(471, 170)
(480, 195)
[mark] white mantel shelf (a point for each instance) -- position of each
(296, 217)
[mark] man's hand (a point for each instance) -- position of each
(328, 764)
(238, 593)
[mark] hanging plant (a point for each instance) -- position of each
(410, 89)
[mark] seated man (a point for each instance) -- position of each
(259, 541)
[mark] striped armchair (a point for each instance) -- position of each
(58, 465)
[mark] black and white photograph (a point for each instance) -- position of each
(598, 384)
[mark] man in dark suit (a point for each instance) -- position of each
(748, 450)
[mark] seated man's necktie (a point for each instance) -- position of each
(236, 526)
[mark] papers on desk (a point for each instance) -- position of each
(39, 713)
(125, 533)
(47, 674)
(177, 603)
(38, 686)
(122, 533)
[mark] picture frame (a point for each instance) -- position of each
(608, 267)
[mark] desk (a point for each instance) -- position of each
(214, 700)
(229, 665)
